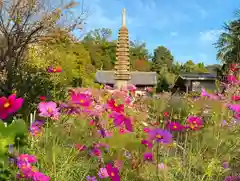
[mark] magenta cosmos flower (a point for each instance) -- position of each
(114, 106)
(194, 122)
(82, 99)
(234, 107)
(9, 105)
(113, 172)
(52, 69)
(38, 176)
(48, 109)
(160, 136)
(175, 126)
(147, 143)
(27, 158)
(148, 156)
(119, 119)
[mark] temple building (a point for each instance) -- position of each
(194, 82)
(123, 74)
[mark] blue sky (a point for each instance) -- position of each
(188, 28)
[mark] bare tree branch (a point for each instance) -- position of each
(23, 22)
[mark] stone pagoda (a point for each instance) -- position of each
(121, 76)
(122, 65)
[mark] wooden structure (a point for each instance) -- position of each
(122, 74)
(194, 82)
(140, 79)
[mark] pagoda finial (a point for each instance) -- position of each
(124, 17)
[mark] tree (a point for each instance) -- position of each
(98, 36)
(23, 23)
(191, 67)
(139, 56)
(102, 51)
(142, 65)
(162, 56)
(228, 44)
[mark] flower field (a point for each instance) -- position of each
(104, 134)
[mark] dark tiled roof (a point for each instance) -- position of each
(137, 78)
(197, 76)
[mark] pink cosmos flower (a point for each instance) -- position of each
(89, 178)
(36, 127)
(82, 99)
(120, 119)
(35, 130)
(9, 105)
(194, 122)
(131, 87)
(211, 96)
(103, 173)
(175, 126)
(27, 158)
(48, 109)
(96, 152)
(160, 136)
(204, 93)
(234, 107)
(232, 79)
(38, 176)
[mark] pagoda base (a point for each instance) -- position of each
(121, 84)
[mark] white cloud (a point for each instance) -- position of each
(210, 36)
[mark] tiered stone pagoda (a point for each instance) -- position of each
(122, 74)
(122, 65)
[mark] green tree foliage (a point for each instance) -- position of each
(228, 44)
(162, 56)
(190, 66)
(98, 36)
(102, 50)
(71, 56)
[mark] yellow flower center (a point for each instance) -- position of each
(34, 169)
(49, 110)
(115, 104)
(6, 105)
(192, 126)
(81, 101)
(112, 174)
(174, 126)
(158, 136)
